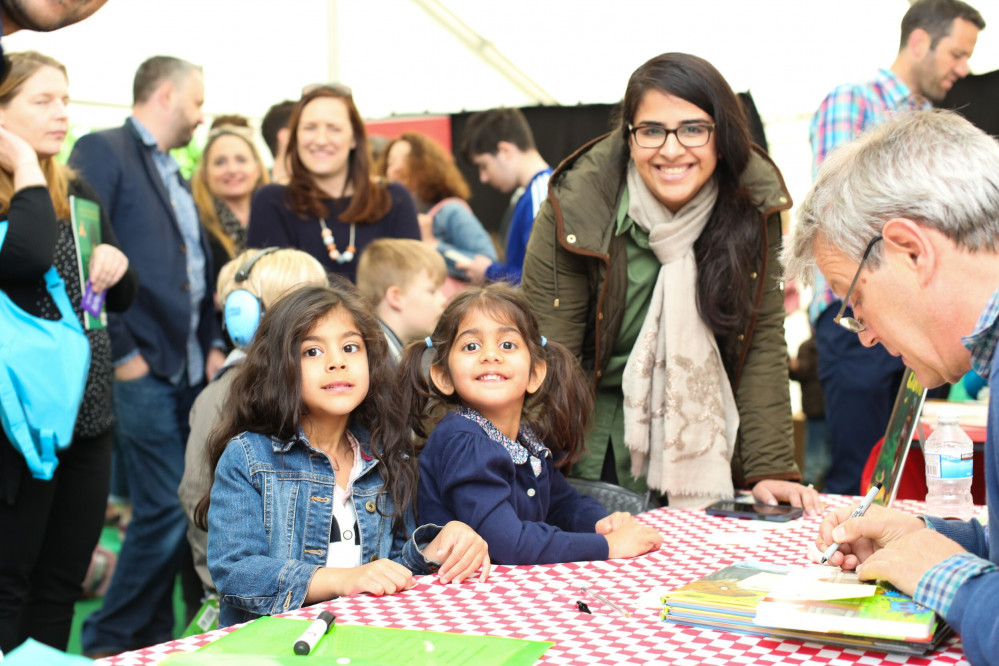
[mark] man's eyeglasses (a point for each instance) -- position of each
(849, 323)
(654, 136)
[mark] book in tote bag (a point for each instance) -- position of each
(43, 372)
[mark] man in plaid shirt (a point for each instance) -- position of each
(859, 383)
(904, 223)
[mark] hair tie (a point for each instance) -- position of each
(430, 343)
(544, 341)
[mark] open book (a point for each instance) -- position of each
(828, 600)
(818, 604)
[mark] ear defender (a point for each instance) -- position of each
(242, 314)
(242, 310)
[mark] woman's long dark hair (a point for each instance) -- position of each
(265, 396)
(731, 241)
(558, 411)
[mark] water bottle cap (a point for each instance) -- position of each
(948, 415)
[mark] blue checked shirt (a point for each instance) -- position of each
(938, 586)
(982, 341)
(190, 229)
(845, 112)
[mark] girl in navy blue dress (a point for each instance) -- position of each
(518, 409)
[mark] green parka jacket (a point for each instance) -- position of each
(576, 288)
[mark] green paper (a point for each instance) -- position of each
(269, 640)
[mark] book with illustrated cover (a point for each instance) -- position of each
(735, 589)
(902, 426)
(731, 600)
(800, 603)
(86, 220)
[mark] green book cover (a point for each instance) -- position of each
(86, 220)
(898, 437)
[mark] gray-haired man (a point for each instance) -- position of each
(904, 225)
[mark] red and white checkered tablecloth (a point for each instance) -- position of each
(538, 603)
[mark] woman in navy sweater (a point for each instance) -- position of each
(331, 208)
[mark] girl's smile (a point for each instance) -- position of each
(490, 370)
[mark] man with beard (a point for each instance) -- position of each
(860, 383)
(163, 348)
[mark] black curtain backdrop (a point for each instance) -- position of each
(976, 97)
(558, 132)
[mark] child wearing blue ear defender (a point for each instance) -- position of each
(519, 408)
(247, 286)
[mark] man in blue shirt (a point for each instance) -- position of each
(500, 144)
(163, 348)
(904, 224)
(859, 384)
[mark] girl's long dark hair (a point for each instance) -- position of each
(558, 411)
(265, 396)
(733, 238)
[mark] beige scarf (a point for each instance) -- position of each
(680, 416)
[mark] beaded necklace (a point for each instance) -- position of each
(335, 254)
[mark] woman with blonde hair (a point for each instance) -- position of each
(50, 527)
(446, 221)
(228, 174)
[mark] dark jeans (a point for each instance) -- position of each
(860, 384)
(46, 540)
(152, 428)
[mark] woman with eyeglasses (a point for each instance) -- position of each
(228, 174)
(655, 259)
(332, 207)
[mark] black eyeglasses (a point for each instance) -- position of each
(849, 323)
(694, 135)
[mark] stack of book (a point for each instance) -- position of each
(818, 604)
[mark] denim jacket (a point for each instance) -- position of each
(270, 518)
(457, 228)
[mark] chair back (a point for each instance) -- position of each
(614, 498)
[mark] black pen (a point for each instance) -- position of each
(306, 643)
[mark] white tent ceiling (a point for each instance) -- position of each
(400, 57)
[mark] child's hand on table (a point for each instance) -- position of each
(378, 578)
(612, 522)
(626, 537)
(461, 552)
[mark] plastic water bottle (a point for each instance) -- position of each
(949, 455)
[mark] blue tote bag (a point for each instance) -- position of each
(43, 372)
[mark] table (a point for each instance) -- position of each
(538, 603)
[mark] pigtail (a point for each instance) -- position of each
(414, 394)
(563, 405)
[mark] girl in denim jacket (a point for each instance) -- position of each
(520, 409)
(313, 488)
